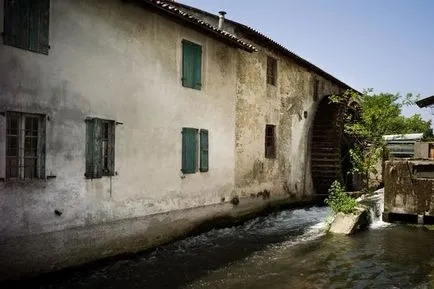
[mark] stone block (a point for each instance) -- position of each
(349, 223)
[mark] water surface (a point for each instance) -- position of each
(287, 249)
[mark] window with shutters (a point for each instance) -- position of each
(191, 65)
(25, 146)
(270, 141)
(194, 150)
(100, 148)
(26, 24)
(271, 70)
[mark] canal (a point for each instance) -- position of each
(286, 249)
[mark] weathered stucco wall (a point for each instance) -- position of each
(119, 62)
(52, 251)
(291, 106)
(284, 106)
(409, 187)
(116, 61)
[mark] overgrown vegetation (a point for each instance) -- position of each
(339, 200)
(367, 118)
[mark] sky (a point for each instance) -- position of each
(387, 45)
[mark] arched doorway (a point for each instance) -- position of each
(329, 147)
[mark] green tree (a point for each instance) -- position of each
(376, 115)
(381, 114)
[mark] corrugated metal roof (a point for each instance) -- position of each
(266, 40)
(403, 137)
(425, 102)
(175, 11)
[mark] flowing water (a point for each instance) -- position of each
(288, 249)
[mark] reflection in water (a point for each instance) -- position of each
(283, 250)
(393, 257)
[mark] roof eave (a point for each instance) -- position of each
(263, 38)
(192, 23)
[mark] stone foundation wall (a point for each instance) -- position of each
(36, 254)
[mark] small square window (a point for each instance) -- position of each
(271, 70)
(270, 141)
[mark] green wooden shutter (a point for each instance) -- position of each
(191, 65)
(93, 148)
(39, 28)
(111, 148)
(204, 150)
(97, 148)
(89, 148)
(189, 150)
(26, 24)
(187, 64)
(197, 50)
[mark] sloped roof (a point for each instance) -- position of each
(425, 101)
(265, 40)
(171, 10)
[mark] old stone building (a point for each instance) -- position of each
(125, 124)
(288, 135)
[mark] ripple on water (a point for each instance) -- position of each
(288, 249)
(391, 257)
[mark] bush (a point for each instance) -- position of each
(339, 200)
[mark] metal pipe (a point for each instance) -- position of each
(221, 19)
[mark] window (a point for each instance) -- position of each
(25, 146)
(271, 70)
(190, 150)
(26, 24)
(191, 65)
(100, 148)
(270, 141)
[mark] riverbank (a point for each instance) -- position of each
(34, 255)
(176, 264)
(286, 249)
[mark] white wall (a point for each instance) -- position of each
(116, 61)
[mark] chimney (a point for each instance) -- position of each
(221, 19)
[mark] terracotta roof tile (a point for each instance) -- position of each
(164, 5)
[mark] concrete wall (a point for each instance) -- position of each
(291, 106)
(409, 187)
(119, 62)
(52, 251)
(422, 150)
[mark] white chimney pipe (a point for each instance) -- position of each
(221, 19)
